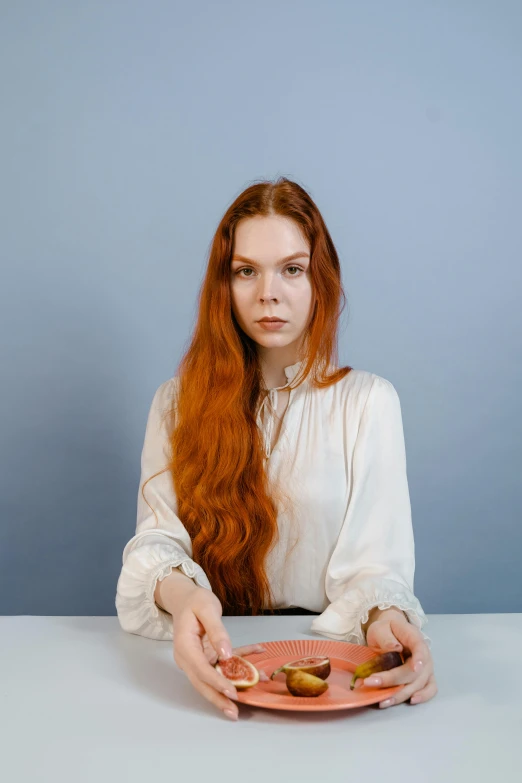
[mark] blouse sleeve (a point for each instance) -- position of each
(373, 562)
(161, 541)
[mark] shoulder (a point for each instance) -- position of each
(362, 383)
(362, 390)
(164, 396)
(356, 389)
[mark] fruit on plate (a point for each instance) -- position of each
(240, 672)
(381, 663)
(300, 683)
(316, 666)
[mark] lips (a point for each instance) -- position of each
(272, 321)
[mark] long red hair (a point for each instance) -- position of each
(216, 452)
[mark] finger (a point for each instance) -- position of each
(400, 675)
(195, 664)
(212, 655)
(425, 694)
(380, 636)
(209, 651)
(214, 696)
(405, 693)
(216, 631)
(206, 674)
(411, 637)
(249, 649)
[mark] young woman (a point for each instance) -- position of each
(277, 479)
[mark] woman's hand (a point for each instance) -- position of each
(200, 639)
(390, 630)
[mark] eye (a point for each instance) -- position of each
(249, 269)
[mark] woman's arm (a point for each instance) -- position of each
(373, 562)
(376, 614)
(161, 542)
(171, 591)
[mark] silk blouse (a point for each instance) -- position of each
(346, 540)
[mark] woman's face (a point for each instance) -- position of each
(263, 285)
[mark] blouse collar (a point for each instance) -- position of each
(290, 372)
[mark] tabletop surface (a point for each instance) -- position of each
(82, 700)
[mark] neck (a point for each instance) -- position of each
(273, 369)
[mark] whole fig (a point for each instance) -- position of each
(381, 663)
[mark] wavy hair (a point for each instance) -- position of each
(216, 453)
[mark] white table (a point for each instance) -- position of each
(81, 700)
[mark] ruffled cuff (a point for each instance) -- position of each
(144, 566)
(343, 618)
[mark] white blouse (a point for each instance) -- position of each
(346, 538)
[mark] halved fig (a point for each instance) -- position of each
(316, 666)
(240, 672)
(301, 684)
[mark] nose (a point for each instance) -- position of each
(267, 289)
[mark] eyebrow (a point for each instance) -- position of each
(285, 260)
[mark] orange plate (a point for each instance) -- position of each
(344, 659)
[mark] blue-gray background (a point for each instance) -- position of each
(128, 127)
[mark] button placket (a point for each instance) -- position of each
(272, 398)
(270, 429)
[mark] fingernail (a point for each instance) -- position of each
(414, 700)
(373, 681)
(230, 694)
(225, 653)
(230, 714)
(418, 666)
(387, 703)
